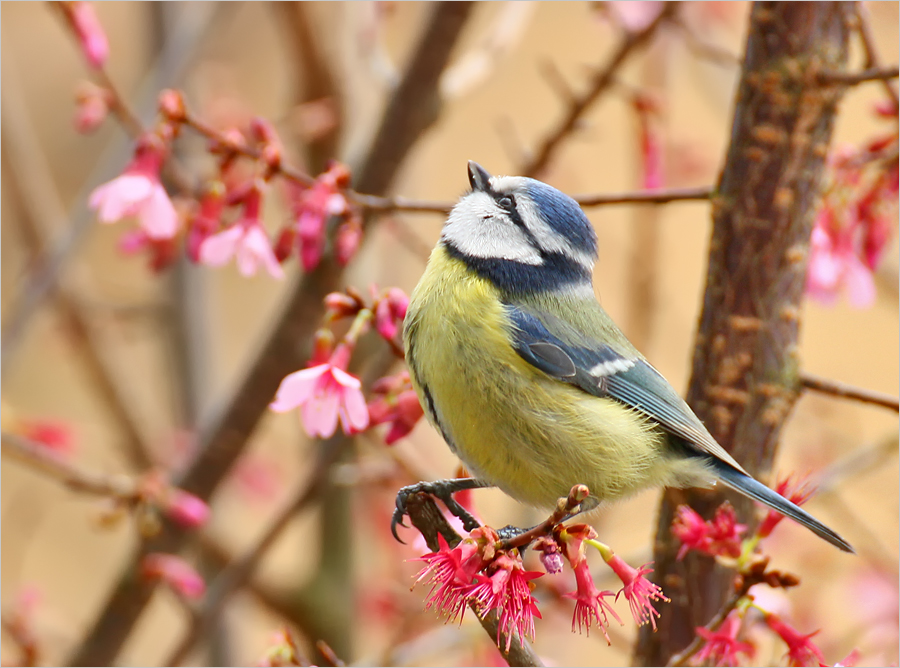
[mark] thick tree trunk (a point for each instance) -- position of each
(745, 371)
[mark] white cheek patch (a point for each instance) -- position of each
(479, 228)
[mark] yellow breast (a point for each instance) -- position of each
(514, 426)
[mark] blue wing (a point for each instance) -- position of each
(600, 370)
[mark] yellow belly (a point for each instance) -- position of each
(530, 435)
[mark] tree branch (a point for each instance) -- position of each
(35, 193)
(170, 67)
(425, 516)
(602, 81)
(37, 458)
(745, 376)
(873, 61)
(839, 389)
(240, 570)
(853, 78)
(224, 434)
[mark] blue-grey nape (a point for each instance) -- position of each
(564, 215)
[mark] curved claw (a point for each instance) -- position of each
(443, 490)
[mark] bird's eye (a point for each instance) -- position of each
(507, 202)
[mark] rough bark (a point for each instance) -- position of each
(745, 376)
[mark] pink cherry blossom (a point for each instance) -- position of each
(313, 206)
(186, 509)
(325, 393)
(246, 241)
(138, 192)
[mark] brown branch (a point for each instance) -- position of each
(745, 375)
(861, 19)
(36, 457)
(170, 66)
(838, 389)
(853, 78)
(428, 519)
(224, 434)
(39, 203)
(602, 81)
(564, 508)
(241, 569)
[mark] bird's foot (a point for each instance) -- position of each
(443, 490)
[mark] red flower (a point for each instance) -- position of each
(801, 651)
(589, 604)
(390, 310)
(56, 436)
(719, 537)
(797, 492)
(507, 590)
(450, 573)
(313, 207)
(722, 647)
(638, 590)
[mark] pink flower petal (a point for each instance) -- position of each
(320, 414)
(297, 388)
(354, 415)
(859, 282)
(158, 216)
(218, 249)
(120, 197)
(255, 248)
(345, 379)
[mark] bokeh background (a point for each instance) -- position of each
(241, 60)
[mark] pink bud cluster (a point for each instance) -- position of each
(223, 221)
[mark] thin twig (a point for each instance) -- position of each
(428, 519)
(853, 78)
(564, 508)
(224, 434)
(39, 203)
(685, 655)
(170, 67)
(839, 389)
(37, 458)
(872, 61)
(240, 570)
(602, 81)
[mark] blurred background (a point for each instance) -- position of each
(237, 60)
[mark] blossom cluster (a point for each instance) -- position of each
(479, 571)
(326, 393)
(222, 220)
(856, 220)
(725, 539)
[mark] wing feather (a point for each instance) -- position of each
(601, 370)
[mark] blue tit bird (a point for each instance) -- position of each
(528, 379)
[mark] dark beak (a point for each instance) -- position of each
(478, 177)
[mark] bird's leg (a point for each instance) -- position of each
(443, 490)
